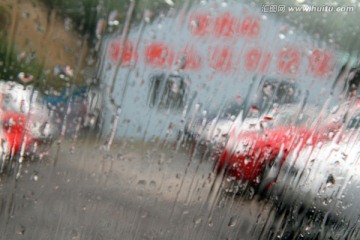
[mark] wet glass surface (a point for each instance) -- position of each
(208, 119)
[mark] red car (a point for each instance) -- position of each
(13, 132)
(300, 160)
(247, 152)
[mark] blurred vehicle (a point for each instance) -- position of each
(257, 141)
(27, 127)
(32, 120)
(304, 156)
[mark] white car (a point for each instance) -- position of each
(26, 125)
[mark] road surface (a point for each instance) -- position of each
(134, 190)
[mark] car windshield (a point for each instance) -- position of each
(179, 119)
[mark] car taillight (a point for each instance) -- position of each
(14, 130)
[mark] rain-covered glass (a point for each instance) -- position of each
(179, 119)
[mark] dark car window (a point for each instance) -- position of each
(168, 91)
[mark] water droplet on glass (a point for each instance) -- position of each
(247, 160)
(35, 177)
(144, 215)
(147, 15)
(197, 221)
(258, 179)
(343, 156)
(330, 180)
(194, 25)
(26, 14)
(21, 56)
(232, 222)
(170, 2)
(25, 78)
(20, 230)
(282, 36)
(210, 222)
(69, 71)
(326, 201)
(112, 19)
